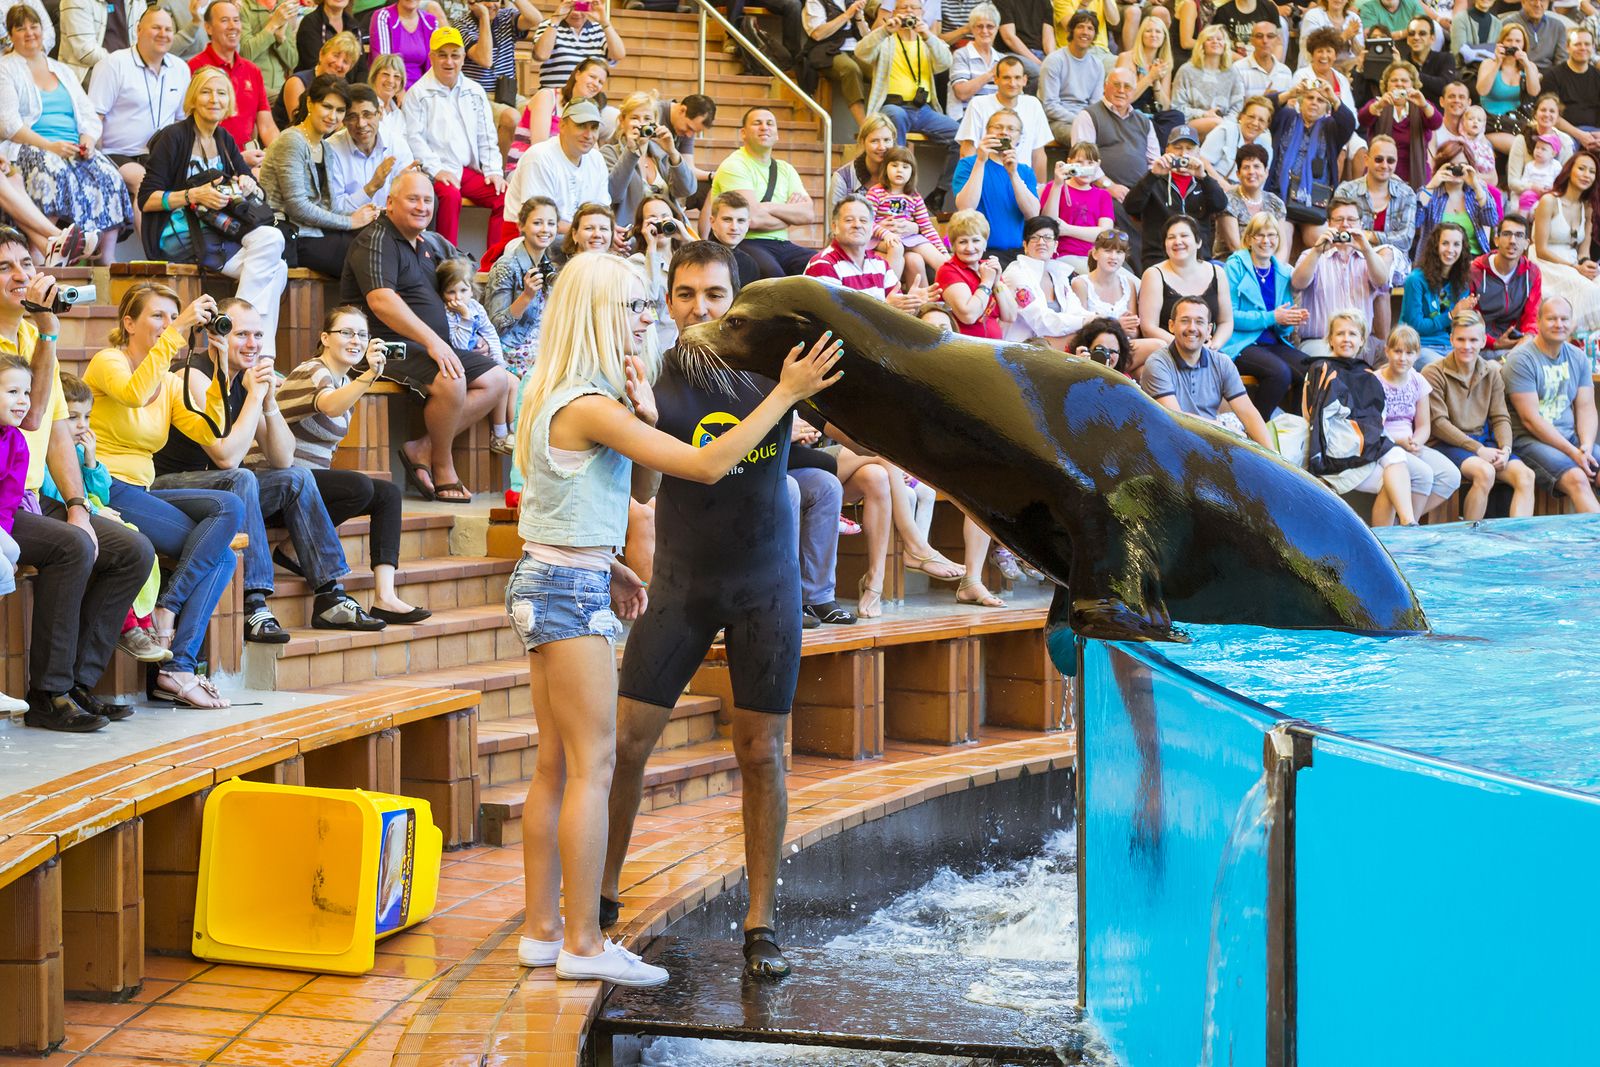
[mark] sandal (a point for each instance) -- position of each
(198, 693)
(763, 956)
(979, 595)
(932, 565)
(453, 488)
(1007, 564)
(415, 482)
(869, 601)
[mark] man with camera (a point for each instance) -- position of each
(1342, 270)
(89, 566)
(567, 168)
(391, 273)
(904, 55)
(276, 492)
(1010, 79)
(996, 184)
(1177, 184)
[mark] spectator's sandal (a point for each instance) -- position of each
(198, 693)
(763, 956)
(973, 591)
(935, 566)
(413, 481)
(459, 494)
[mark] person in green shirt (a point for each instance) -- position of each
(777, 199)
(269, 40)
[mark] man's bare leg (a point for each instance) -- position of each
(758, 739)
(639, 727)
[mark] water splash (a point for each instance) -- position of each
(1247, 837)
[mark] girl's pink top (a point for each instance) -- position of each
(890, 207)
(1079, 207)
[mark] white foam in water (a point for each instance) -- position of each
(1026, 911)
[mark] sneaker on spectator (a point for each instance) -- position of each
(142, 645)
(263, 627)
(1007, 563)
(830, 613)
(337, 611)
(808, 621)
(505, 445)
(10, 705)
(65, 247)
(848, 526)
(531, 952)
(614, 964)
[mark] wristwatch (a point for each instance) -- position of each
(77, 502)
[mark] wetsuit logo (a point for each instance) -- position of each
(717, 423)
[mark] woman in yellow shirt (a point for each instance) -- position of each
(137, 400)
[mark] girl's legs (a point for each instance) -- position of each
(1519, 476)
(1396, 494)
(541, 814)
(868, 481)
(932, 259)
(1480, 474)
(915, 272)
(896, 258)
(975, 545)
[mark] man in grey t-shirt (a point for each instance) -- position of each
(1187, 376)
(1072, 77)
(1553, 420)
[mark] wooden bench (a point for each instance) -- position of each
(102, 865)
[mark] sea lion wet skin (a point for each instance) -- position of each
(1141, 514)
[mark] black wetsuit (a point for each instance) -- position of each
(727, 558)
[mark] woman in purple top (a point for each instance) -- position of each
(405, 29)
(1082, 208)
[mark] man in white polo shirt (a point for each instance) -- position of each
(451, 129)
(138, 91)
(1011, 83)
(566, 168)
(850, 263)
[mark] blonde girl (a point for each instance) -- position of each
(1408, 422)
(1206, 89)
(588, 416)
(1150, 59)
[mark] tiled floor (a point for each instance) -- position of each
(449, 992)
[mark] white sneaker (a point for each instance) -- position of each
(531, 952)
(10, 705)
(614, 964)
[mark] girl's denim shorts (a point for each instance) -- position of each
(548, 603)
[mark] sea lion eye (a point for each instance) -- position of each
(734, 321)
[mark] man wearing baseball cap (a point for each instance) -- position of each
(1179, 183)
(567, 167)
(451, 129)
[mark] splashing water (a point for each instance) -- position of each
(1252, 825)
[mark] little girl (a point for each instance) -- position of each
(471, 331)
(1083, 208)
(15, 380)
(589, 415)
(896, 199)
(1407, 422)
(1539, 174)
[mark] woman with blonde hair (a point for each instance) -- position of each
(588, 417)
(177, 205)
(338, 57)
(644, 160)
(1150, 59)
(873, 141)
(1207, 89)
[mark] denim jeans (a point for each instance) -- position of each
(933, 124)
(195, 527)
(818, 496)
(290, 499)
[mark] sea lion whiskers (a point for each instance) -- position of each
(700, 364)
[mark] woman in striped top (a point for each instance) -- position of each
(316, 400)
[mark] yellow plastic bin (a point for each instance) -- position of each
(311, 878)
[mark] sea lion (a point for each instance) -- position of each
(1140, 514)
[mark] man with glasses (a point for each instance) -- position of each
(1262, 72)
(1399, 217)
(1342, 270)
(1577, 83)
(1508, 286)
(360, 162)
(1436, 68)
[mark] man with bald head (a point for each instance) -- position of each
(1127, 144)
(391, 273)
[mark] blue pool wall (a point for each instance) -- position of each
(1363, 904)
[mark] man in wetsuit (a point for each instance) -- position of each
(727, 558)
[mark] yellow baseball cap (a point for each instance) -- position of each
(443, 37)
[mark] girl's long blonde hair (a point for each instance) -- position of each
(1143, 59)
(584, 338)
(1199, 57)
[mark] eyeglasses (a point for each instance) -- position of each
(1514, 235)
(637, 307)
(352, 335)
(1383, 159)
(1042, 235)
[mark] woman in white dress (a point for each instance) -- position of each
(1111, 291)
(1049, 311)
(1563, 224)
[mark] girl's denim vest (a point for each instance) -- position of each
(576, 508)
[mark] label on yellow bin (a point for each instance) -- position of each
(395, 863)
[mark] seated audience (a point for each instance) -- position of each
(1111, 291)
(1206, 89)
(833, 30)
(1027, 30)
(1322, 68)
(541, 118)
(1342, 271)
(1011, 81)
(1184, 273)
(1307, 141)
(1563, 239)
(301, 190)
(337, 59)
(519, 286)
(138, 91)
(1436, 67)
(1453, 104)
(1407, 422)
(573, 35)
(490, 31)
(1552, 407)
(390, 274)
(1474, 32)
(178, 198)
(1047, 309)
(249, 121)
(998, 186)
(1247, 200)
(1343, 404)
(1177, 184)
(268, 40)
(1126, 139)
(1547, 33)
(451, 129)
(973, 66)
(1404, 115)
(53, 132)
(1546, 117)
(971, 284)
(850, 262)
(1080, 207)
(1265, 318)
(16, 378)
(1476, 147)
(904, 56)
(1150, 62)
(776, 195)
(1576, 84)
(894, 202)
(567, 168)
(1388, 215)
(387, 76)
(873, 141)
(1507, 83)
(1508, 285)
(594, 229)
(1437, 291)
(1103, 341)
(471, 331)
(655, 235)
(406, 29)
(1262, 72)
(1251, 126)
(89, 31)
(326, 20)
(644, 161)
(1192, 377)
(1072, 77)
(1471, 424)
(1456, 193)
(359, 158)
(136, 404)
(730, 222)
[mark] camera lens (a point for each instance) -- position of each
(668, 226)
(221, 326)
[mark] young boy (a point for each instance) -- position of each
(138, 632)
(730, 221)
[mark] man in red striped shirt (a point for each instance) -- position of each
(850, 262)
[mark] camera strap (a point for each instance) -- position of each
(218, 432)
(916, 71)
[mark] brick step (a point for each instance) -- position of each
(316, 659)
(507, 747)
(421, 536)
(681, 775)
(436, 583)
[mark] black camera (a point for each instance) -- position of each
(66, 298)
(908, 21)
(220, 326)
(667, 227)
(1456, 169)
(1105, 355)
(649, 130)
(1005, 144)
(1340, 237)
(547, 271)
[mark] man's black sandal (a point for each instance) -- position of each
(610, 912)
(763, 956)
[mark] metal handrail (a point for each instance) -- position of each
(788, 83)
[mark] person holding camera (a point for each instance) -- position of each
(201, 205)
(1103, 341)
(656, 236)
(999, 187)
(1176, 185)
(1547, 33)
(1507, 82)
(1456, 192)
(1401, 112)
(52, 130)
(519, 284)
(1309, 133)
(905, 55)
(644, 159)
(1342, 270)
(579, 30)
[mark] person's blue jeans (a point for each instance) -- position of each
(290, 499)
(933, 124)
(195, 527)
(818, 496)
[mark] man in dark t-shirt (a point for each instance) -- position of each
(1577, 83)
(390, 274)
(726, 559)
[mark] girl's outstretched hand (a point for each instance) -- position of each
(809, 374)
(640, 395)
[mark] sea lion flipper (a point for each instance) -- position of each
(1115, 579)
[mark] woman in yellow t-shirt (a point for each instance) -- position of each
(137, 401)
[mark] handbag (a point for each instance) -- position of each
(1306, 206)
(505, 91)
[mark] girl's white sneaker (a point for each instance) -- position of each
(614, 964)
(531, 952)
